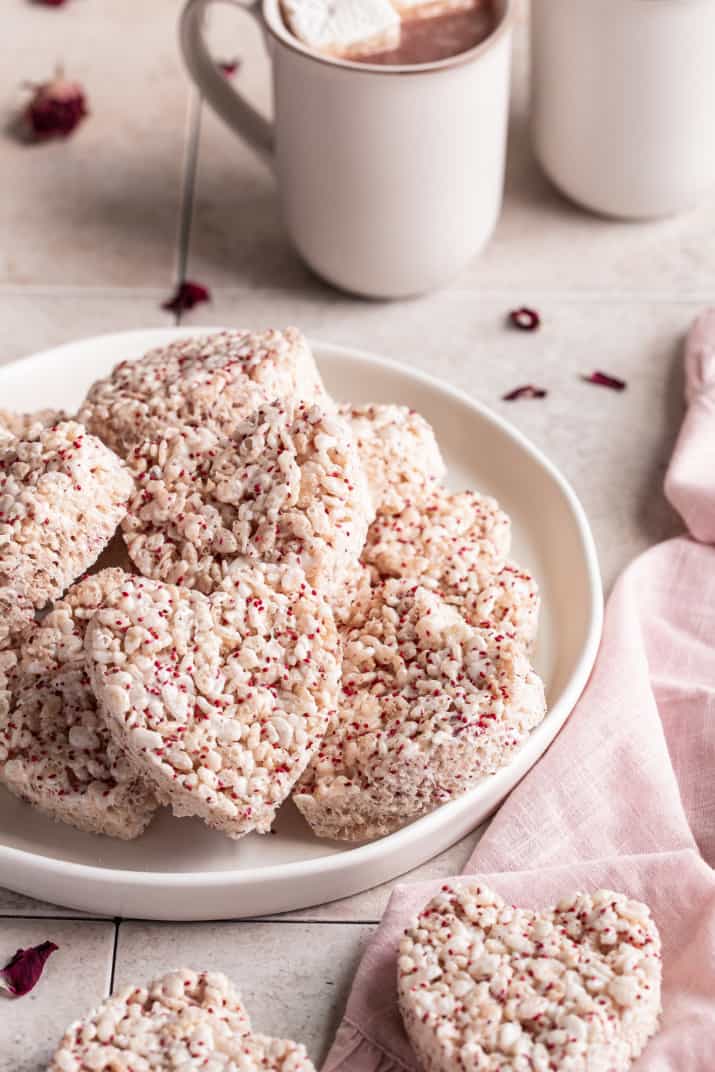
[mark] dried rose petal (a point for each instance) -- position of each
(56, 108)
(602, 379)
(525, 319)
(24, 970)
(527, 391)
(229, 67)
(50, 3)
(186, 296)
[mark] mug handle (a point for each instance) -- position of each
(238, 113)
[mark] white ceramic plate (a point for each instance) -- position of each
(181, 870)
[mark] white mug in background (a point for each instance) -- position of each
(390, 179)
(623, 102)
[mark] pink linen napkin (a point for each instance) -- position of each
(625, 796)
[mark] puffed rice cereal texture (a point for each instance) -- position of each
(219, 701)
(29, 425)
(286, 487)
(206, 381)
(489, 986)
(180, 1021)
(62, 496)
(55, 751)
(429, 706)
(398, 452)
(447, 534)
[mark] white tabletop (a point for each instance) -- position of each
(92, 241)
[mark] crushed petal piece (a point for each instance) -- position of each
(186, 296)
(525, 319)
(603, 379)
(229, 67)
(22, 973)
(527, 391)
(56, 109)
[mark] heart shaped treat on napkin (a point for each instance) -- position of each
(218, 702)
(485, 985)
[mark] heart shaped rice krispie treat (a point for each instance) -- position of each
(485, 985)
(219, 701)
(62, 496)
(205, 381)
(286, 487)
(55, 751)
(398, 452)
(182, 1020)
(445, 533)
(429, 706)
(456, 544)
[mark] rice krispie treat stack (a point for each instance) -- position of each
(210, 381)
(219, 702)
(429, 706)
(398, 452)
(483, 984)
(183, 1020)
(456, 543)
(62, 496)
(55, 751)
(286, 487)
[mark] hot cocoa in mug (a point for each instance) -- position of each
(388, 150)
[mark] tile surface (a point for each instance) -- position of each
(75, 979)
(101, 206)
(293, 977)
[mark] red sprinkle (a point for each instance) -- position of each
(229, 67)
(525, 319)
(527, 391)
(23, 972)
(186, 296)
(50, 3)
(602, 379)
(56, 108)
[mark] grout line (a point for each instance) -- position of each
(189, 922)
(117, 923)
(485, 295)
(58, 918)
(188, 190)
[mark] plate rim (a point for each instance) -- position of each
(362, 854)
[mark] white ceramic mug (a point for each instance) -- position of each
(623, 101)
(390, 179)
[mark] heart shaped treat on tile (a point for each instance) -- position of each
(429, 705)
(219, 702)
(398, 451)
(182, 1021)
(286, 486)
(485, 985)
(205, 381)
(55, 750)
